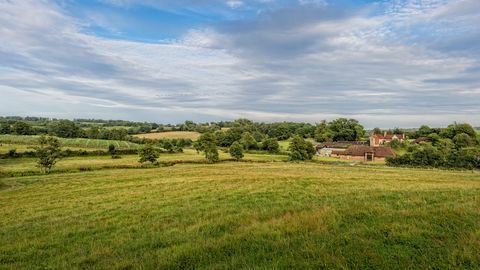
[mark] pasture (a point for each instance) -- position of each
(238, 215)
(192, 135)
(23, 143)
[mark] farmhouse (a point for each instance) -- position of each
(379, 139)
(365, 153)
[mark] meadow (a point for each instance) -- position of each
(24, 143)
(241, 215)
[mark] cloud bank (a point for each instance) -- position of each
(395, 63)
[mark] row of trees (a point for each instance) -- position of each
(457, 146)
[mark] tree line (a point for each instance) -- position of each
(457, 146)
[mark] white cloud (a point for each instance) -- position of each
(281, 66)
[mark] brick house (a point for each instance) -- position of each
(379, 139)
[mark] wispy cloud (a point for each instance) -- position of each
(396, 63)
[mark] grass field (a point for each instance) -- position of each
(171, 135)
(99, 162)
(242, 215)
(23, 143)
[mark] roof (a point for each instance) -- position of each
(420, 139)
(339, 144)
(361, 150)
(389, 136)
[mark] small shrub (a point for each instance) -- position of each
(236, 150)
(148, 154)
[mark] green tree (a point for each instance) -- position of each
(377, 131)
(93, 132)
(236, 150)
(148, 154)
(21, 128)
(64, 129)
(346, 129)
(300, 149)
(208, 145)
(462, 140)
(48, 153)
(248, 141)
(423, 131)
(5, 128)
(271, 145)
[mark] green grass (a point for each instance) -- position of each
(24, 142)
(242, 215)
(98, 162)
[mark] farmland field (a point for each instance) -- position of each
(171, 135)
(242, 215)
(23, 143)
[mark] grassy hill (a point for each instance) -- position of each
(242, 215)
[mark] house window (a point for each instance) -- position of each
(369, 156)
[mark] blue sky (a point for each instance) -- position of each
(386, 63)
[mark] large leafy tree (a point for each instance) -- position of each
(300, 149)
(21, 128)
(207, 144)
(64, 129)
(344, 129)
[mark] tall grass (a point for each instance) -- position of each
(242, 216)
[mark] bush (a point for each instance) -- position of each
(271, 145)
(300, 149)
(236, 150)
(148, 154)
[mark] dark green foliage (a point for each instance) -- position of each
(442, 155)
(300, 149)
(236, 150)
(148, 154)
(346, 129)
(5, 128)
(21, 128)
(463, 140)
(453, 130)
(226, 139)
(208, 144)
(48, 153)
(248, 141)
(64, 129)
(271, 145)
(341, 129)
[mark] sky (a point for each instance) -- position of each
(386, 63)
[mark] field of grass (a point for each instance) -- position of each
(98, 162)
(22, 143)
(171, 135)
(242, 215)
